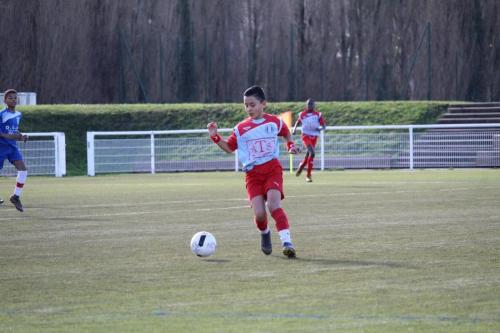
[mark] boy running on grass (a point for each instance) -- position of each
(312, 124)
(256, 139)
(9, 134)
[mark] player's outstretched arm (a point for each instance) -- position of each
(322, 123)
(290, 145)
(295, 126)
(17, 136)
(21, 137)
(216, 138)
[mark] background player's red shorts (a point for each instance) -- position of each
(309, 140)
(263, 178)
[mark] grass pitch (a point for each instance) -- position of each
(378, 251)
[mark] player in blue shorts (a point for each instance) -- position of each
(9, 134)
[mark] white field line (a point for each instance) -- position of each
(158, 211)
(176, 202)
(192, 209)
(129, 213)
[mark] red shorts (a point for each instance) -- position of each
(265, 177)
(309, 140)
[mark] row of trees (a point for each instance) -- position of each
(91, 51)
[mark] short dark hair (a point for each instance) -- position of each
(9, 91)
(255, 91)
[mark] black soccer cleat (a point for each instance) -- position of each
(265, 243)
(1, 201)
(288, 250)
(14, 199)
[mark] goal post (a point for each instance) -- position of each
(44, 154)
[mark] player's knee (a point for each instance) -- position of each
(272, 206)
(260, 216)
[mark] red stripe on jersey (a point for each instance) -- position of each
(232, 142)
(321, 119)
(284, 130)
(305, 114)
(247, 124)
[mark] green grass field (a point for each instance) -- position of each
(378, 251)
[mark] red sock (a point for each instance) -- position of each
(281, 219)
(261, 225)
(310, 165)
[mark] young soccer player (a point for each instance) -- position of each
(312, 124)
(256, 139)
(9, 134)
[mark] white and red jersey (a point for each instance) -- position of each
(257, 140)
(311, 121)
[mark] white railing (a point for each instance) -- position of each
(339, 147)
(155, 151)
(410, 146)
(43, 153)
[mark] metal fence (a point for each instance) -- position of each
(411, 146)
(43, 153)
(155, 151)
(339, 147)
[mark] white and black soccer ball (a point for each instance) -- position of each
(203, 244)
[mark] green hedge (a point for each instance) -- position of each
(76, 120)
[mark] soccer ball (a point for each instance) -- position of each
(203, 244)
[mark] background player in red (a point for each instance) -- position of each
(256, 139)
(312, 124)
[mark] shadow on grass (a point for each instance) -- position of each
(217, 261)
(335, 262)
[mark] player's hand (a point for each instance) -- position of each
(320, 128)
(295, 150)
(212, 128)
(19, 137)
(292, 148)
